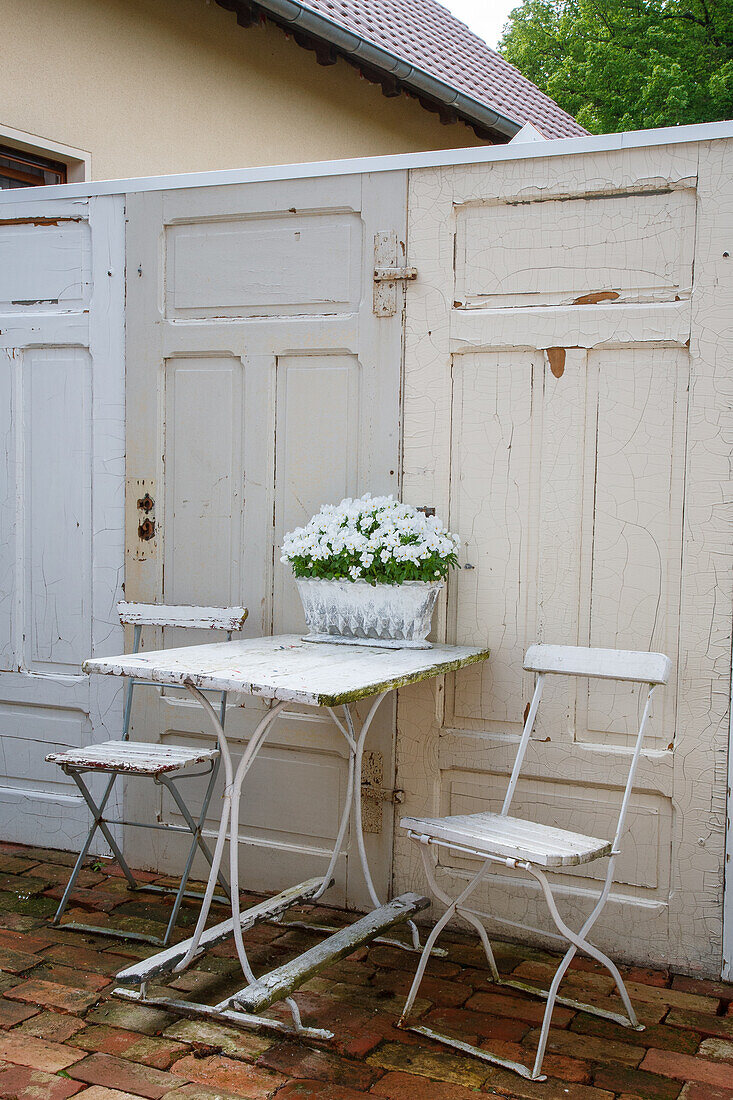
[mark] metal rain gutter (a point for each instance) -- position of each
(354, 46)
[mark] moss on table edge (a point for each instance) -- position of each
(402, 681)
(172, 679)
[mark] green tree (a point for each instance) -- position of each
(627, 64)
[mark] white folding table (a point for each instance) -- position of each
(284, 669)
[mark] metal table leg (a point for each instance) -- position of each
(262, 992)
(352, 808)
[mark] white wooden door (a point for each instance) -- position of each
(260, 385)
(564, 376)
(61, 499)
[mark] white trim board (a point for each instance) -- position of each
(727, 970)
(77, 161)
(635, 139)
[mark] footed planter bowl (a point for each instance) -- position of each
(394, 616)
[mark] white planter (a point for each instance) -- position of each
(390, 615)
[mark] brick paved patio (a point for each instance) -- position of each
(63, 1036)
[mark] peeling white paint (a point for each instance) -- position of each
(571, 431)
(567, 419)
(286, 667)
(62, 433)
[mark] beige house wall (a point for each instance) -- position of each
(150, 87)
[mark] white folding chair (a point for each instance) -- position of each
(166, 765)
(497, 838)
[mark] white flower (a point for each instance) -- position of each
(351, 536)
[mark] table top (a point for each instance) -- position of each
(288, 668)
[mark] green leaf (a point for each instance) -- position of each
(627, 64)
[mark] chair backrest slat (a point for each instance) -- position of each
(208, 618)
(651, 669)
(604, 664)
(139, 615)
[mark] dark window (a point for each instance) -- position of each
(18, 169)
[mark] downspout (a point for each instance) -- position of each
(299, 18)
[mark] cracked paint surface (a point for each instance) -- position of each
(62, 429)
(564, 405)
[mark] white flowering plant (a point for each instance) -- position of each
(373, 539)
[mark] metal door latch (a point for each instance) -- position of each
(392, 274)
(389, 270)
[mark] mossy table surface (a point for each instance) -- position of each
(288, 668)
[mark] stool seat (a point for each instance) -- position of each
(166, 764)
(133, 757)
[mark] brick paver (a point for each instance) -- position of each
(202, 1092)
(27, 1050)
(683, 1067)
(294, 1059)
(106, 1069)
(12, 1014)
(24, 1083)
(692, 1091)
(62, 1035)
(51, 1025)
(99, 1092)
(53, 995)
(406, 1086)
(719, 1050)
(240, 1078)
(319, 1090)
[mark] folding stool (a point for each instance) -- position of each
(166, 765)
(498, 839)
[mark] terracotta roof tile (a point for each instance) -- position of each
(425, 34)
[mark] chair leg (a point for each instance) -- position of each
(102, 825)
(550, 1008)
(196, 827)
(96, 814)
(433, 938)
(579, 941)
(206, 850)
(471, 918)
(196, 842)
(423, 1029)
(424, 957)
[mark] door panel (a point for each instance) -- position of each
(56, 491)
(637, 540)
(638, 250)
(317, 452)
(43, 267)
(204, 430)
(260, 385)
(253, 266)
(61, 422)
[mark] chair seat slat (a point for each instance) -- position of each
(512, 838)
(133, 757)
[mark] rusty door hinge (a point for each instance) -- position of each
(373, 794)
(140, 521)
(389, 270)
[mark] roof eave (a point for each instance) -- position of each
(295, 16)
